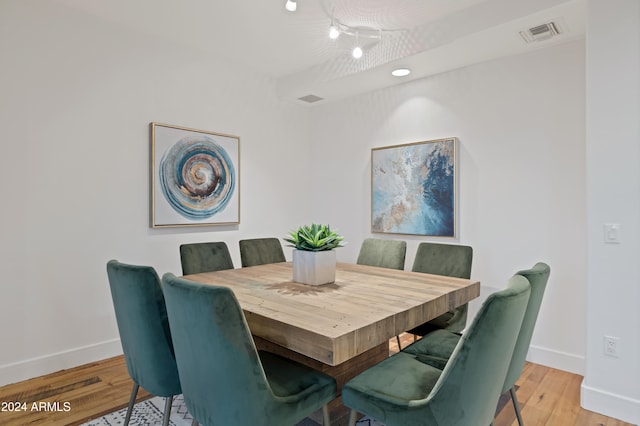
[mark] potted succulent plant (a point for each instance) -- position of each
(314, 260)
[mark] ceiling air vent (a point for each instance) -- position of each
(541, 32)
(311, 98)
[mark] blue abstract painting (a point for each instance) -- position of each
(195, 177)
(413, 188)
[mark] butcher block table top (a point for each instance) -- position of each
(332, 323)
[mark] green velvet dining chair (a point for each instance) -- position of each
(261, 251)
(225, 380)
(205, 257)
(451, 260)
(144, 332)
(405, 390)
(440, 344)
(383, 253)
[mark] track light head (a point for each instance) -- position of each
(334, 32)
(291, 5)
(357, 51)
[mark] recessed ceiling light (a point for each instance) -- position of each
(401, 72)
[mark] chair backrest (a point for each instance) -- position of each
(452, 260)
(470, 385)
(538, 277)
(144, 330)
(205, 257)
(260, 251)
(384, 253)
(223, 381)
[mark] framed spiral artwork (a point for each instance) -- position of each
(194, 177)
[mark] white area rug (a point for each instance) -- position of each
(149, 413)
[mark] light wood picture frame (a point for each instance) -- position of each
(414, 188)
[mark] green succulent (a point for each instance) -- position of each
(314, 237)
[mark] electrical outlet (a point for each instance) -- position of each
(611, 346)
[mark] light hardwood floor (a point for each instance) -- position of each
(547, 396)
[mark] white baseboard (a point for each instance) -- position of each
(610, 404)
(556, 359)
(35, 367)
(592, 399)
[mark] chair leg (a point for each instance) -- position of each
(167, 410)
(399, 345)
(325, 415)
(352, 417)
(516, 407)
(132, 401)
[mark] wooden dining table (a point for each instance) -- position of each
(340, 328)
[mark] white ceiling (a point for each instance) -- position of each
(428, 36)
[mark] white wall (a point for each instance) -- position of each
(520, 123)
(76, 99)
(612, 385)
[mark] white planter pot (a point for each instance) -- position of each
(314, 267)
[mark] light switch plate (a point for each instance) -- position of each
(612, 233)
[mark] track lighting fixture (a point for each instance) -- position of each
(337, 29)
(291, 5)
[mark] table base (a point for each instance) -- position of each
(341, 372)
